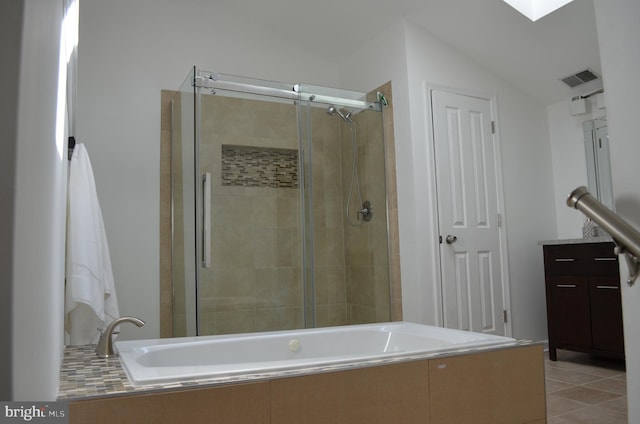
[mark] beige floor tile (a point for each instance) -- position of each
(591, 415)
(599, 371)
(561, 420)
(584, 389)
(622, 377)
(617, 405)
(553, 386)
(610, 385)
(570, 376)
(586, 395)
(557, 405)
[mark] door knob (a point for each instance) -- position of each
(451, 239)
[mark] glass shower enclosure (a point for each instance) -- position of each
(279, 209)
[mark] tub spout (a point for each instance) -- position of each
(104, 349)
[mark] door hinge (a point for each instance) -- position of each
(499, 220)
(504, 315)
(493, 127)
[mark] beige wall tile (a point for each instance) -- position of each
(257, 230)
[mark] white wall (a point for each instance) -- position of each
(122, 72)
(619, 35)
(39, 209)
(569, 165)
(523, 133)
(528, 186)
(413, 58)
(11, 34)
(129, 51)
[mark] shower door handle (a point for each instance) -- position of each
(206, 220)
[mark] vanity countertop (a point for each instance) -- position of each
(601, 239)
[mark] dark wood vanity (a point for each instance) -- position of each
(584, 310)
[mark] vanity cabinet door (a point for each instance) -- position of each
(569, 297)
(606, 314)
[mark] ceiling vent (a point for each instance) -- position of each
(580, 78)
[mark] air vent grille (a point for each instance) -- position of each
(580, 78)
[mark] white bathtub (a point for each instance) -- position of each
(208, 357)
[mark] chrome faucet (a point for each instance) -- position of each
(104, 349)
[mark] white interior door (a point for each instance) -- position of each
(469, 220)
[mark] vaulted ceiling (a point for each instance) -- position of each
(531, 55)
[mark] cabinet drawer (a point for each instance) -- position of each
(563, 260)
(602, 260)
(566, 266)
(581, 259)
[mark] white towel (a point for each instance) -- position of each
(90, 298)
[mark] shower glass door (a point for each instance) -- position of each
(251, 276)
(183, 196)
(347, 253)
(279, 207)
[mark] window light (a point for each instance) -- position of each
(536, 9)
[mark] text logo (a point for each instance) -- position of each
(37, 412)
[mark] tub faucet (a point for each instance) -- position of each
(104, 349)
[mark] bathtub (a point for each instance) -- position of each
(183, 359)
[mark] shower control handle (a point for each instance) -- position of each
(451, 239)
(367, 211)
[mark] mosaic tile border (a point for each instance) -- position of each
(259, 167)
(83, 375)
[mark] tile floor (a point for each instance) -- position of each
(586, 389)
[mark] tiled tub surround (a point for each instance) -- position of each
(432, 388)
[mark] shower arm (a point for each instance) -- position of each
(625, 237)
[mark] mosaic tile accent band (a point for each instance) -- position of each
(259, 167)
(83, 375)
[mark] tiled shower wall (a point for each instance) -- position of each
(366, 244)
(254, 281)
(257, 249)
(328, 215)
(259, 167)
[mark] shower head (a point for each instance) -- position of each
(332, 110)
